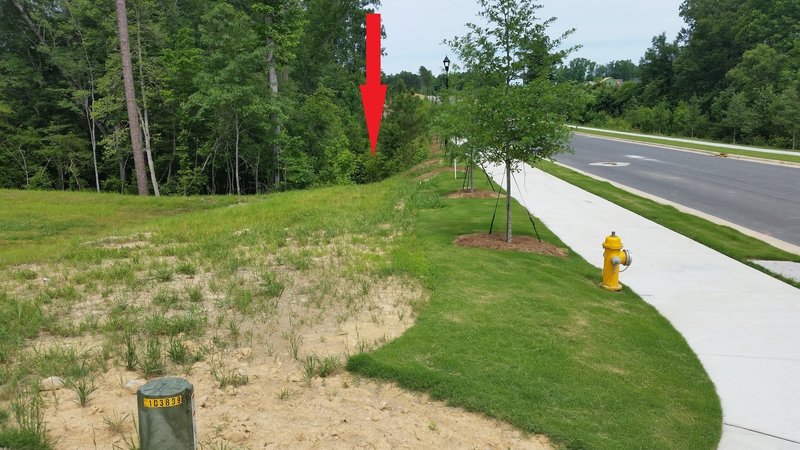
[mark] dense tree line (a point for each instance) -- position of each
(733, 73)
(239, 96)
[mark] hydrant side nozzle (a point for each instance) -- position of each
(613, 256)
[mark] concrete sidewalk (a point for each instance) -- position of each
(744, 325)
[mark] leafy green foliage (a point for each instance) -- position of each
(733, 73)
(229, 95)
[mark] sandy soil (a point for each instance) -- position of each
(280, 407)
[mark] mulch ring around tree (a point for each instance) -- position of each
(497, 241)
(477, 194)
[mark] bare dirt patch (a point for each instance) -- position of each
(476, 194)
(327, 310)
(497, 241)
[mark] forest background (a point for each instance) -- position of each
(256, 96)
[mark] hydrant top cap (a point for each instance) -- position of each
(612, 242)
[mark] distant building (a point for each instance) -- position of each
(613, 82)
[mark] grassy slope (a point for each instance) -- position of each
(525, 338)
(56, 232)
(35, 225)
(696, 146)
(533, 340)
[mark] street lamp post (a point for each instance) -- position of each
(446, 63)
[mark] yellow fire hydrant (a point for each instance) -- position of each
(613, 256)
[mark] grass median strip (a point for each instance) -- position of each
(695, 146)
(723, 239)
(533, 340)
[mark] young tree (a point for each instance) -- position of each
(688, 117)
(512, 112)
(738, 115)
(787, 111)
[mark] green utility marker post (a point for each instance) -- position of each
(166, 415)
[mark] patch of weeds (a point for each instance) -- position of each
(67, 293)
(295, 342)
(424, 199)
(162, 273)
(166, 298)
(186, 268)
(130, 441)
(309, 364)
(151, 362)
(300, 260)
(90, 324)
(194, 294)
(30, 432)
(226, 376)
(314, 366)
(62, 361)
(116, 423)
(83, 389)
(119, 274)
(233, 328)
(178, 352)
(19, 320)
(189, 323)
(123, 316)
(241, 300)
(25, 275)
(284, 394)
(129, 354)
(269, 285)
(217, 444)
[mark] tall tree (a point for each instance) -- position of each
(512, 112)
(657, 72)
(130, 98)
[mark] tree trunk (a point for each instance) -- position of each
(794, 136)
(130, 99)
(273, 87)
(237, 131)
(90, 121)
(144, 115)
(508, 201)
(472, 172)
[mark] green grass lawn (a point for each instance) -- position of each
(40, 225)
(724, 239)
(529, 339)
(533, 340)
(695, 146)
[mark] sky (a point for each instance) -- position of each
(608, 30)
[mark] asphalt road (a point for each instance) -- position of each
(761, 197)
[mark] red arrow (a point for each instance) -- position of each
(373, 94)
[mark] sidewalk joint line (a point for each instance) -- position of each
(770, 358)
(762, 433)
